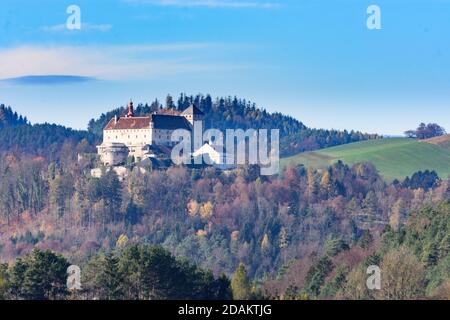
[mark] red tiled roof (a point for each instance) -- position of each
(129, 123)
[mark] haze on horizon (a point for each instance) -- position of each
(311, 59)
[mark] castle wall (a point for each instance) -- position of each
(129, 137)
(112, 155)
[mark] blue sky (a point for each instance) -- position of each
(312, 59)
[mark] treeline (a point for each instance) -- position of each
(233, 113)
(53, 141)
(426, 131)
(10, 118)
(132, 272)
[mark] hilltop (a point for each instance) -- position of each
(233, 113)
(394, 158)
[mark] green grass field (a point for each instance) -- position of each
(395, 158)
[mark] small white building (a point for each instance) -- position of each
(213, 155)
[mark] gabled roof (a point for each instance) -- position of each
(192, 109)
(128, 123)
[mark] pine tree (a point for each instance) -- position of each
(110, 279)
(45, 276)
(169, 102)
(240, 284)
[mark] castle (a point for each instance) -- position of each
(132, 136)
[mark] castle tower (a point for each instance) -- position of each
(192, 113)
(130, 113)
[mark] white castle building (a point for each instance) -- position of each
(133, 136)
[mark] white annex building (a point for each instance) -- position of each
(133, 136)
(214, 155)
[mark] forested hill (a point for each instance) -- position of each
(232, 113)
(18, 136)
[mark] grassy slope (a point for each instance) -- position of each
(394, 158)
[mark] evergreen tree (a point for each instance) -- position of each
(240, 284)
(110, 278)
(41, 275)
(316, 275)
(169, 102)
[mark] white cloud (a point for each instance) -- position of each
(210, 3)
(109, 63)
(84, 27)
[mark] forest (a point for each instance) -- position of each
(303, 234)
(135, 272)
(333, 221)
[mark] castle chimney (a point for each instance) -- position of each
(130, 113)
(115, 119)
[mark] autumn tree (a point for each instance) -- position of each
(402, 275)
(312, 186)
(355, 287)
(426, 131)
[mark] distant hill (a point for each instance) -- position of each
(233, 113)
(45, 140)
(395, 158)
(18, 136)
